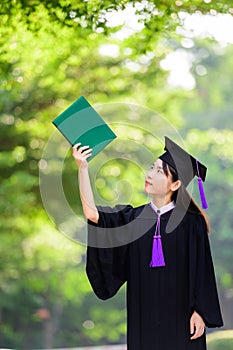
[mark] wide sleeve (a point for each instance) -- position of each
(205, 295)
(107, 251)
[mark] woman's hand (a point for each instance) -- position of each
(81, 154)
(197, 326)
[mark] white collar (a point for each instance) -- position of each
(164, 209)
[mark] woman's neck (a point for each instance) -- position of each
(161, 202)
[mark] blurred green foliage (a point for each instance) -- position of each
(51, 53)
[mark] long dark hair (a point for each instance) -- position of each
(182, 197)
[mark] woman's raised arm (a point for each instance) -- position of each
(80, 155)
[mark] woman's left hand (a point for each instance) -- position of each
(197, 326)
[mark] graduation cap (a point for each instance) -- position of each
(81, 123)
(186, 166)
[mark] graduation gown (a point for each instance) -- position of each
(160, 300)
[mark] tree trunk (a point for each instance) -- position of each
(51, 326)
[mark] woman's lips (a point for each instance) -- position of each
(147, 183)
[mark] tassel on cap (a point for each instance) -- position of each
(201, 189)
(157, 249)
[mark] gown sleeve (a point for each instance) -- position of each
(205, 297)
(106, 263)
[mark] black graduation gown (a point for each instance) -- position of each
(160, 300)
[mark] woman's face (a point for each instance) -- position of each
(156, 182)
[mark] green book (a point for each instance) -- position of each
(81, 123)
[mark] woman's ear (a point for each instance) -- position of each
(175, 185)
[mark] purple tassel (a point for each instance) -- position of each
(202, 194)
(157, 253)
(157, 249)
(201, 189)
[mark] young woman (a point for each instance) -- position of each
(161, 249)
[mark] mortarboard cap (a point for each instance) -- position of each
(81, 123)
(186, 166)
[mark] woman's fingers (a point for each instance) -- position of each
(81, 150)
(77, 148)
(87, 155)
(77, 145)
(199, 330)
(192, 327)
(86, 151)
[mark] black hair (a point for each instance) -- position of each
(181, 196)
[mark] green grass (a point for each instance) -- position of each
(220, 340)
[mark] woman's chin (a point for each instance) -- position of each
(147, 190)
